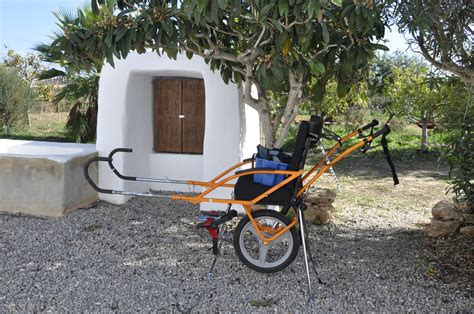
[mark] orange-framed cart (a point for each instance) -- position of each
(264, 240)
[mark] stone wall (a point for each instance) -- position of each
(450, 218)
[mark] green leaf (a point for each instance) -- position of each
(281, 38)
(359, 21)
(214, 11)
(222, 4)
(316, 67)
(342, 89)
(201, 4)
(347, 10)
(283, 7)
(121, 33)
(265, 10)
(108, 38)
(319, 90)
(314, 7)
(123, 48)
(95, 7)
(276, 71)
(337, 2)
(277, 25)
(379, 46)
(325, 32)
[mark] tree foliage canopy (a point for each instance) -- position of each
(278, 47)
(442, 29)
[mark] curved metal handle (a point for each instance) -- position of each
(111, 165)
(88, 178)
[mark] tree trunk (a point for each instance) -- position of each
(424, 136)
(267, 128)
(291, 109)
(28, 115)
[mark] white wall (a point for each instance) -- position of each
(125, 119)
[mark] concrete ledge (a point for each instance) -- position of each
(44, 178)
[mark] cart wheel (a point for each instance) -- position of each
(266, 258)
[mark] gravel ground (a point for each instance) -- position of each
(147, 256)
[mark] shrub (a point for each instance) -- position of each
(15, 98)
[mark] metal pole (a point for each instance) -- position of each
(300, 217)
(331, 169)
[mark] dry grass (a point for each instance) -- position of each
(44, 127)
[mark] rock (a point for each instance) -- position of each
(320, 196)
(314, 214)
(467, 231)
(446, 210)
(468, 219)
(440, 228)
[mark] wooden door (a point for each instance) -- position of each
(167, 127)
(192, 108)
(179, 115)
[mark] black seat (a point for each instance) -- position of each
(246, 189)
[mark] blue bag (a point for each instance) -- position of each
(269, 179)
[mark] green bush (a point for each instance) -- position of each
(15, 98)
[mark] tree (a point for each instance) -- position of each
(404, 85)
(27, 67)
(278, 48)
(81, 75)
(442, 30)
(15, 99)
(458, 122)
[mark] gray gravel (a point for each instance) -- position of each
(147, 256)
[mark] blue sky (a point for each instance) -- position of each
(24, 23)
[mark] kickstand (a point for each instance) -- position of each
(306, 252)
(216, 249)
(215, 252)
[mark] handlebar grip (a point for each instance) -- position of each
(88, 178)
(122, 150)
(370, 125)
(111, 165)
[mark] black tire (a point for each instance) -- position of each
(289, 239)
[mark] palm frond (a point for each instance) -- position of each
(51, 73)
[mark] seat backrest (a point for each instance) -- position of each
(316, 125)
(300, 146)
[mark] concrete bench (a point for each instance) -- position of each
(44, 178)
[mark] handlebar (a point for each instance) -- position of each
(111, 165)
(88, 178)
(370, 125)
(109, 160)
(122, 150)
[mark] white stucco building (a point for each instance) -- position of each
(129, 116)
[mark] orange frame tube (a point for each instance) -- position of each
(221, 181)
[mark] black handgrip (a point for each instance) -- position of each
(111, 165)
(370, 125)
(122, 150)
(384, 130)
(88, 178)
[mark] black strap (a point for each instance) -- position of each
(384, 144)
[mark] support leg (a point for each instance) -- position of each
(303, 240)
